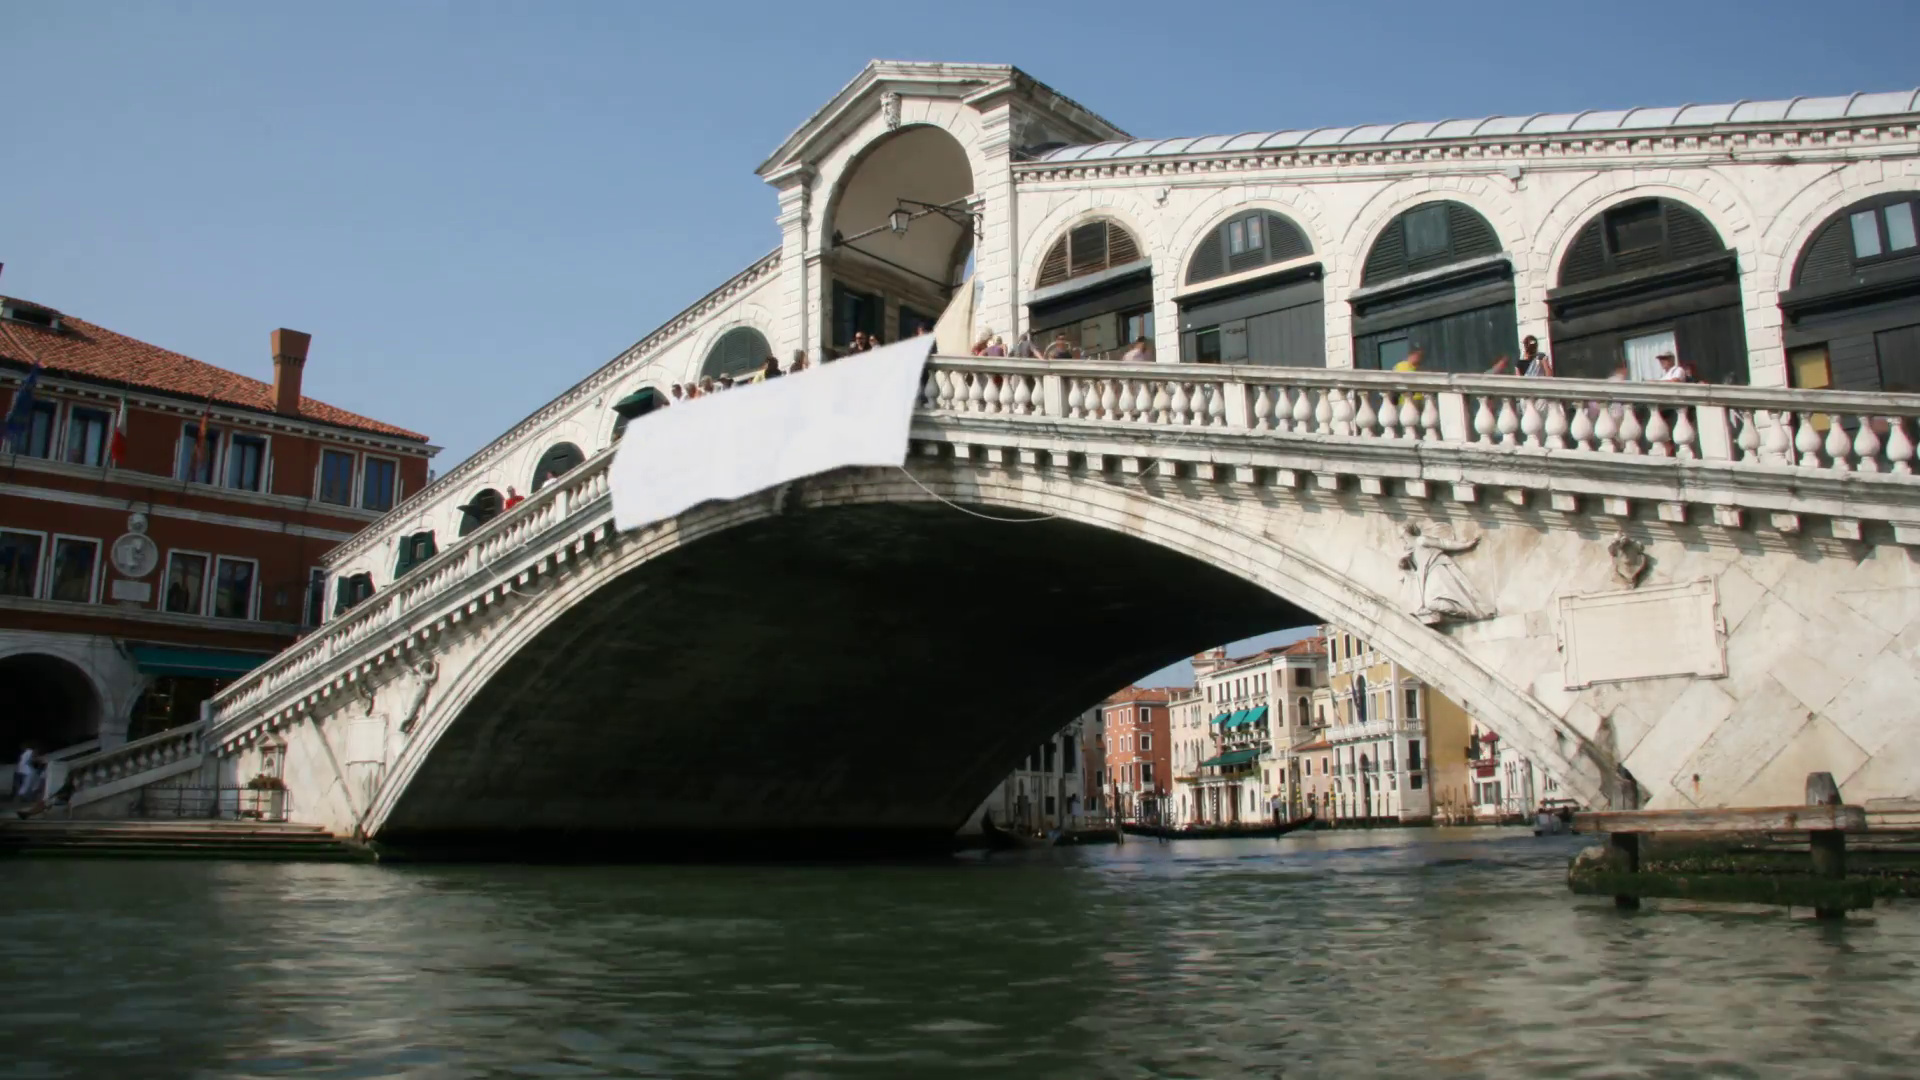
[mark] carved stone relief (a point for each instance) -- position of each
(1437, 590)
(1629, 560)
(426, 673)
(890, 108)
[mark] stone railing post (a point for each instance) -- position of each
(1714, 432)
(1053, 395)
(1239, 405)
(1453, 416)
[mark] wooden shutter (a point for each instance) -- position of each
(1087, 248)
(1285, 240)
(1473, 237)
(1208, 260)
(1587, 258)
(1388, 258)
(1830, 254)
(1053, 268)
(1121, 247)
(1688, 234)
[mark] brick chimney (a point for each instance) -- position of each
(289, 356)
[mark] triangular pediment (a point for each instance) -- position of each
(860, 99)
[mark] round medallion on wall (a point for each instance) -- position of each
(135, 555)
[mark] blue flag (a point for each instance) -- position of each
(20, 417)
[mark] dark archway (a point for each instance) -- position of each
(881, 279)
(1277, 317)
(482, 508)
(560, 459)
(739, 351)
(1435, 279)
(45, 702)
(1853, 314)
(837, 671)
(1644, 277)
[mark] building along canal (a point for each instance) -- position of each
(1446, 953)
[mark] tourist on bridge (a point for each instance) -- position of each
(514, 499)
(770, 370)
(1060, 349)
(1024, 347)
(996, 347)
(1139, 352)
(23, 773)
(861, 342)
(1534, 364)
(1670, 369)
(799, 361)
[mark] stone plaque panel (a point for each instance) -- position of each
(137, 591)
(1647, 633)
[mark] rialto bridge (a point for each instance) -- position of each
(1680, 594)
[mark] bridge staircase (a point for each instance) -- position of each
(181, 839)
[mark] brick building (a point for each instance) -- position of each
(130, 590)
(1136, 727)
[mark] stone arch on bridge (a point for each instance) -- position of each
(1251, 286)
(897, 233)
(555, 461)
(47, 702)
(1117, 553)
(1437, 277)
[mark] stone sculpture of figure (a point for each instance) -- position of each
(426, 672)
(1440, 592)
(1629, 559)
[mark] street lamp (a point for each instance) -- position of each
(897, 221)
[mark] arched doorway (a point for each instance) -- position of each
(1435, 279)
(1094, 293)
(739, 351)
(561, 458)
(1853, 313)
(900, 231)
(46, 703)
(1275, 317)
(1644, 277)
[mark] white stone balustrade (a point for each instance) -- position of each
(1808, 452)
(103, 771)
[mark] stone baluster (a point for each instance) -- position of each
(1899, 446)
(1004, 383)
(1262, 408)
(1303, 410)
(1409, 417)
(930, 391)
(1364, 417)
(1484, 424)
(1342, 412)
(1508, 423)
(1630, 428)
(1389, 416)
(1776, 442)
(1556, 425)
(1605, 427)
(1323, 411)
(1143, 401)
(1022, 395)
(1109, 400)
(1179, 406)
(1198, 404)
(1866, 446)
(1162, 403)
(1077, 399)
(1658, 433)
(1533, 424)
(1806, 440)
(1217, 406)
(1839, 448)
(1429, 417)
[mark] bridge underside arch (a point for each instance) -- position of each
(815, 674)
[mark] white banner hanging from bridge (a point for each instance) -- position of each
(730, 444)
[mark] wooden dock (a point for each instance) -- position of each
(1618, 869)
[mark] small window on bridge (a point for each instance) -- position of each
(414, 550)
(351, 590)
(482, 508)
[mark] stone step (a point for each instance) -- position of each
(174, 839)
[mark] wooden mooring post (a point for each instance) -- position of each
(1621, 868)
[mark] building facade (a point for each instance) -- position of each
(131, 590)
(1050, 788)
(1234, 750)
(1139, 761)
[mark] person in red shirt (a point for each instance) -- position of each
(514, 499)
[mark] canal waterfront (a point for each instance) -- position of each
(1420, 953)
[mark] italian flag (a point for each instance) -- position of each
(117, 444)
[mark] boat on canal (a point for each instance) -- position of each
(1218, 832)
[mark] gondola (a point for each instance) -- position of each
(999, 839)
(1218, 832)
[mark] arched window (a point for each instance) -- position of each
(1088, 249)
(414, 550)
(1429, 283)
(1427, 237)
(637, 404)
(739, 351)
(1852, 312)
(559, 459)
(351, 590)
(482, 508)
(1245, 242)
(1645, 277)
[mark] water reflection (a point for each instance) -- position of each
(1452, 953)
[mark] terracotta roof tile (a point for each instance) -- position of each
(85, 351)
(1140, 693)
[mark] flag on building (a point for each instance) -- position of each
(117, 442)
(20, 416)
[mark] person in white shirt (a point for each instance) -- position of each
(1534, 364)
(23, 773)
(1670, 369)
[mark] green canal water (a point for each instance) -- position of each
(1453, 953)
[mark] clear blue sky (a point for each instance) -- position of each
(471, 205)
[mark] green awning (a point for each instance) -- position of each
(634, 404)
(1233, 757)
(1248, 717)
(181, 660)
(1227, 719)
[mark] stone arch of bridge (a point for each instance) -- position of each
(474, 730)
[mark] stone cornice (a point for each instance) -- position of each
(608, 373)
(1765, 143)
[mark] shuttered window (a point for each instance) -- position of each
(482, 508)
(1637, 235)
(1246, 242)
(1088, 249)
(741, 349)
(1428, 237)
(1881, 229)
(414, 550)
